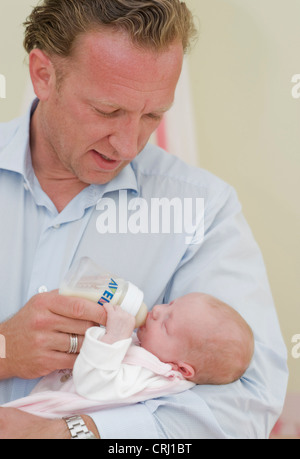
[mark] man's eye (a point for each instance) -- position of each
(107, 114)
(154, 117)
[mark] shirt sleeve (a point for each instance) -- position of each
(229, 265)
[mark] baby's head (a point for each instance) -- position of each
(202, 337)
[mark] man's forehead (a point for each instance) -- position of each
(116, 75)
(115, 48)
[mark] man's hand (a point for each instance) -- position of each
(16, 424)
(120, 324)
(38, 337)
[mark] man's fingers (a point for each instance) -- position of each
(76, 308)
(64, 361)
(61, 342)
(77, 327)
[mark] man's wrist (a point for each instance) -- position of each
(60, 430)
(91, 425)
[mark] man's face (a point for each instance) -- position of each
(110, 101)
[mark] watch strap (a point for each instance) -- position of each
(78, 428)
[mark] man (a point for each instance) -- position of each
(104, 73)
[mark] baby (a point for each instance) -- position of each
(195, 339)
(204, 339)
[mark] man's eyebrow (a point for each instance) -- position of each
(165, 109)
(103, 104)
(115, 106)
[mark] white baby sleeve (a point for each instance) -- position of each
(99, 373)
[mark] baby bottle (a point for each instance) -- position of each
(87, 280)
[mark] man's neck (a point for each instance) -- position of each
(56, 181)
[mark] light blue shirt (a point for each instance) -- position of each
(38, 245)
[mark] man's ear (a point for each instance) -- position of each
(41, 72)
(185, 369)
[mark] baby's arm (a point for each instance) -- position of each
(120, 324)
(99, 372)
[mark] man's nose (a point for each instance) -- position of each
(125, 139)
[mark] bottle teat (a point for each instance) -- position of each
(141, 316)
(133, 304)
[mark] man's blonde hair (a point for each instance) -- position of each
(54, 25)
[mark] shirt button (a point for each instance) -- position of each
(56, 226)
(26, 186)
(42, 289)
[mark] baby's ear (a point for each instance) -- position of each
(185, 369)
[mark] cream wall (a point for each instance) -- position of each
(247, 122)
(248, 130)
(12, 55)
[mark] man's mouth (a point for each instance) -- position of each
(106, 158)
(104, 162)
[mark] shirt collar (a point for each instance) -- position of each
(16, 157)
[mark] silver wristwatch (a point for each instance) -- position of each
(78, 429)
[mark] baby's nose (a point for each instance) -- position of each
(155, 312)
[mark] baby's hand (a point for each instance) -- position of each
(119, 325)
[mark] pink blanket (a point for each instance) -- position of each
(55, 403)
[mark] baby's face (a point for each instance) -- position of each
(169, 328)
